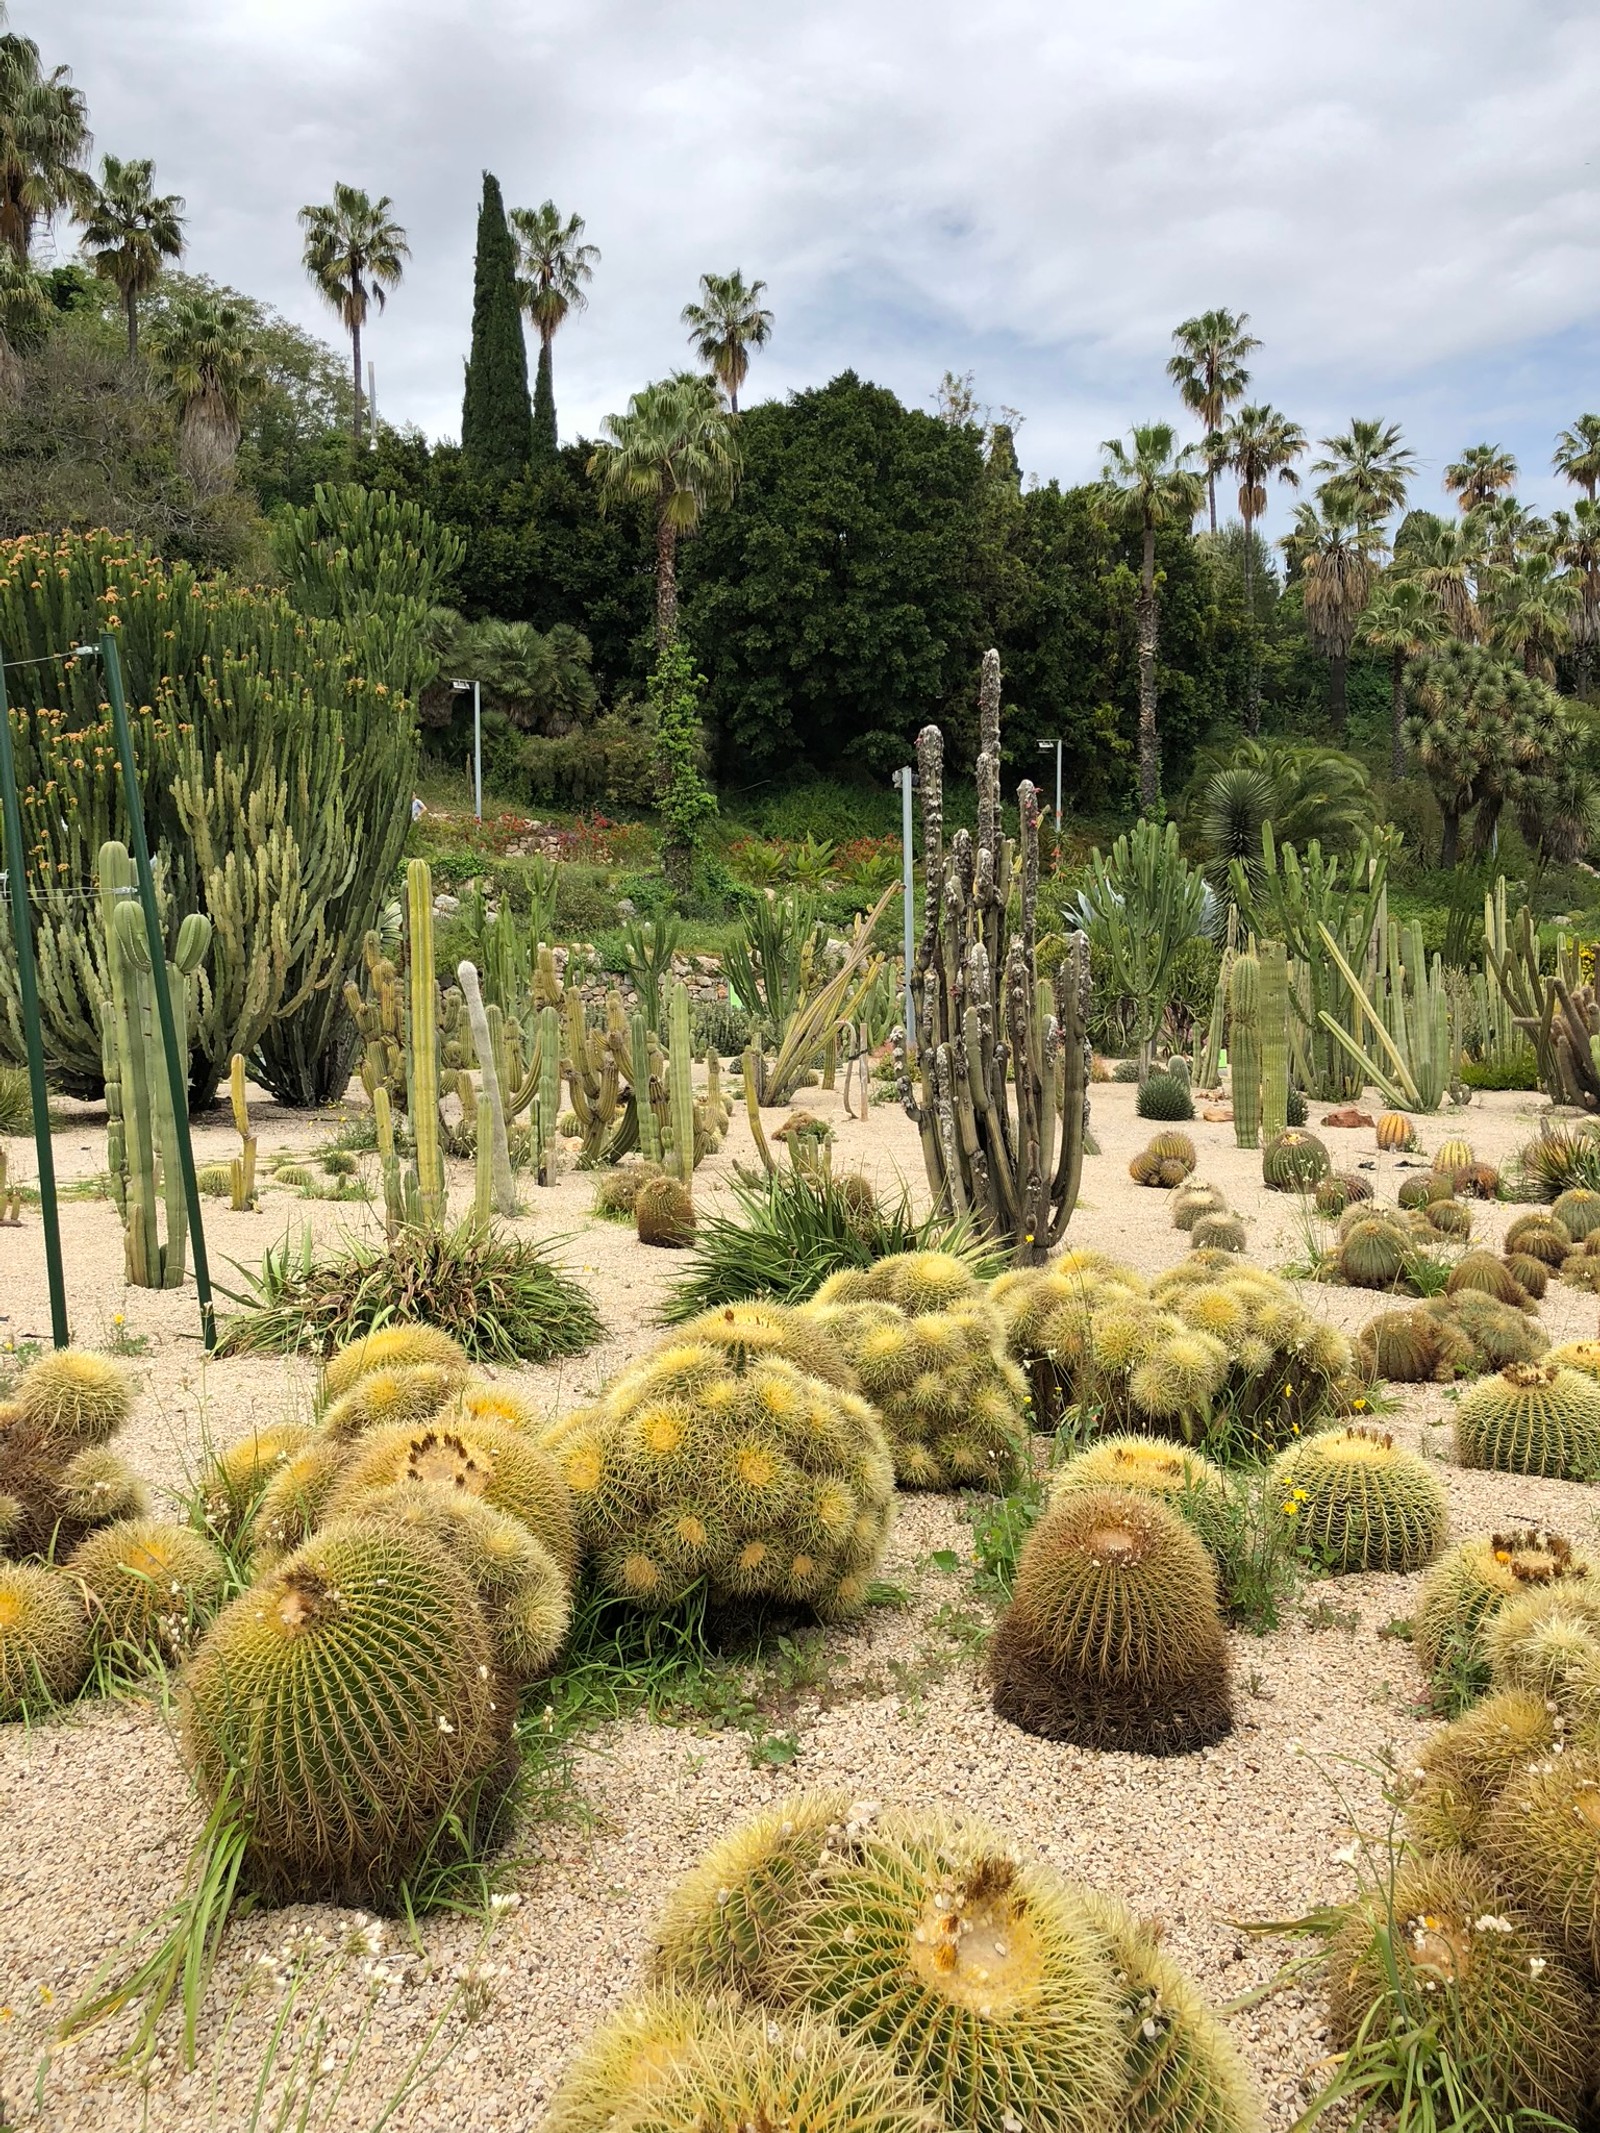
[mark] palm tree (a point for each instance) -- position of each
(1256, 444)
(44, 137)
(1401, 620)
(674, 449)
(24, 320)
(203, 344)
(1479, 475)
(129, 231)
(1332, 546)
(1443, 556)
(1209, 373)
(1578, 455)
(1153, 484)
(726, 322)
(1535, 607)
(553, 264)
(1575, 544)
(1371, 467)
(355, 252)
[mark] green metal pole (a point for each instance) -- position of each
(177, 1067)
(28, 985)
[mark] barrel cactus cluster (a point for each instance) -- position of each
(855, 1969)
(1532, 1418)
(60, 1475)
(1468, 1587)
(1166, 1160)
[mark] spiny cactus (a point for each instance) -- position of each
(1410, 1348)
(1164, 1096)
(1531, 1275)
(60, 1479)
(977, 1973)
(1423, 1187)
(1478, 1181)
(619, 1189)
(44, 1640)
(1450, 1218)
(350, 1697)
(1454, 1154)
(294, 1499)
(1498, 1334)
(1294, 1161)
(1113, 1638)
(1532, 1418)
(478, 1402)
(1468, 1585)
(1373, 1253)
(379, 1399)
(1340, 1189)
(663, 1213)
(392, 1348)
(232, 1482)
(1219, 1233)
(761, 1481)
(1542, 1842)
(1171, 1147)
(1244, 1040)
(1547, 1641)
(1578, 1212)
(74, 1397)
(1183, 1479)
(150, 1587)
(748, 1332)
(1361, 1502)
(1395, 1132)
(1462, 1769)
(215, 1180)
(1482, 1271)
(1578, 1355)
(1541, 1236)
(525, 1594)
(1192, 1201)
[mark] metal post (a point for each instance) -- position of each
(477, 750)
(28, 985)
(177, 1068)
(906, 781)
(1044, 749)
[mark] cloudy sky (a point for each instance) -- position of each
(1401, 193)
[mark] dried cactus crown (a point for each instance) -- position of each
(1534, 1557)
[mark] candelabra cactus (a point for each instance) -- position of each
(1002, 1059)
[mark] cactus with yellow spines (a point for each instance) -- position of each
(1498, 1334)
(1359, 1501)
(1176, 1474)
(1219, 1233)
(1462, 1769)
(747, 1332)
(406, 1392)
(391, 1347)
(1193, 1200)
(1547, 1641)
(231, 1481)
(44, 1640)
(1531, 1275)
(1113, 1638)
(526, 1596)
(362, 1656)
(150, 1587)
(1469, 1584)
(72, 1397)
(1578, 1212)
(1395, 1133)
(57, 1468)
(1532, 1418)
(1413, 1348)
(294, 1498)
(1542, 1842)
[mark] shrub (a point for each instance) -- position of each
(44, 1640)
(1532, 1418)
(1359, 1502)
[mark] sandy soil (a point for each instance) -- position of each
(96, 1816)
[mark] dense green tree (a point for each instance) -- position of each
(1532, 608)
(44, 137)
(1332, 549)
(1443, 555)
(1575, 544)
(1401, 620)
(130, 231)
(1492, 740)
(24, 316)
(1369, 466)
(553, 265)
(1209, 372)
(496, 418)
(1577, 455)
(1257, 444)
(1479, 475)
(727, 322)
(355, 253)
(675, 451)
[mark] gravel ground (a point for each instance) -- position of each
(477, 2022)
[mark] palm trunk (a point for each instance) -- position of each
(1149, 741)
(1252, 683)
(666, 580)
(131, 305)
(1338, 704)
(1211, 499)
(1450, 841)
(1397, 715)
(355, 366)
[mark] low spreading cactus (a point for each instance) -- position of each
(44, 1640)
(150, 1587)
(392, 1348)
(1469, 1585)
(1542, 1842)
(1193, 1200)
(1484, 1272)
(1497, 1334)
(1532, 1418)
(1464, 1767)
(1361, 1502)
(1113, 1638)
(350, 1698)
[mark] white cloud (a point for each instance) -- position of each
(1402, 193)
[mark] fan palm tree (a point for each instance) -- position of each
(203, 344)
(675, 450)
(1575, 544)
(1443, 556)
(726, 323)
(1209, 373)
(1400, 621)
(24, 319)
(1151, 484)
(1304, 791)
(1370, 466)
(355, 252)
(44, 137)
(1479, 475)
(553, 266)
(129, 231)
(1332, 546)
(1256, 444)
(1578, 455)
(1536, 605)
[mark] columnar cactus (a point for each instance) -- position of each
(1244, 1048)
(1274, 1038)
(680, 1084)
(242, 1168)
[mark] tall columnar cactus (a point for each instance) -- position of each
(1274, 959)
(494, 1154)
(680, 1083)
(242, 1170)
(1002, 1058)
(639, 1054)
(1244, 1048)
(141, 1126)
(1401, 1034)
(547, 1103)
(422, 1032)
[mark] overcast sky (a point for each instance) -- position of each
(1401, 193)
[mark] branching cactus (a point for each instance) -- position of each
(999, 1086)
(1274, 959)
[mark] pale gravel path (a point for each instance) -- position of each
(95, 1815)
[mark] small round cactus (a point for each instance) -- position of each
(1454, 1154)
(503, 1467)
(398, 1393)
(1547, 1641)
(1163, 1096)
(74, 1397)
(1463, 1768)
(1504, 2001)
(1542, 1842)
(749, 1332)
(1422, 1188)
(1339, 1190)
(1182, 1478)
(1409, 1348)
(215, 1180)
(1578, 1355)
(1218, 1233)
(1496, 1334)
(1477, 1181)
(294, 1177)
(350, 1697)
(1532, 1418)
(1374, 1253)
(392, 1348)
(1482, 1271)
(663, 1213)
(1113, 1638)
(1540, 1236)
(1194, 1200)
(295, 1499)
(619, 1189)
(1469, 1585)
(1531, 1275)
(1395, 1132)
(231, 1484)
(1450, 1218)
(1170, 1147)
(44, 1640)
(150, 1587)
(1360, 1502)
(1578, 1212)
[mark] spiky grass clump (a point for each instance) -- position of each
(73, 1397)
(1506, 2005)
(1395, 1133)
(1339, 1190)
(1541, 1236)
(380, 1399)
(351, 1698)
(761, 1481)
(44, 1640)
(1532, 1418)
(392, 1348)
(1412, 1348)
(1360, 1502)
(663, 1214)
(1468, 1586)
(1496, 1334)
(504, 1298)
(1542, 1842)
(1219, 1233)
(1163, 1096)
(1113, 1638)
(1483, 1272)
(1463, 1768)
(1193, 1200)
(232, 1481)
(150, 1587)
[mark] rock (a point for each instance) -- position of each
(1347, 1115)
(1218, 1114)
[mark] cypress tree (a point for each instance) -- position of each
(496, 420)
(544, 409)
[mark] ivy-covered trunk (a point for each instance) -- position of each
(1149, 740)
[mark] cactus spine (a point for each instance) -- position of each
(1274, 960)
(1244, 1045)
(422, 1035)
(680, 1083)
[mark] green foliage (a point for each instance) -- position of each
(496, 418)
(1140, 907)
(1359, 1502)
(685, 801)
(1301, 789)
(1494, 741)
